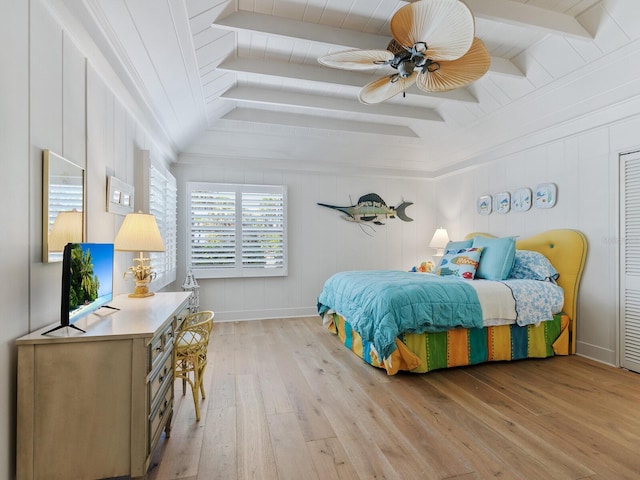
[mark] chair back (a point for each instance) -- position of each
(197, 317)
(194, 333)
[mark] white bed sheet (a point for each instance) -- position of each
(497, 302)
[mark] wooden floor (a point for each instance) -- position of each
(287, 401)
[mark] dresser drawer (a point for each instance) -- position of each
(160, 378)
(181, 316)
(161, 343)
(160, 415)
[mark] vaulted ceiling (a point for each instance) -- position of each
(209, 71)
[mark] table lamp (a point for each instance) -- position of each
(439, 241)
(139, 233)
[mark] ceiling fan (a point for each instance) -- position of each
(433, 46)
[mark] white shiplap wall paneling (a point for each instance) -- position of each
(74, 107)
(45, 131)
(18, 252)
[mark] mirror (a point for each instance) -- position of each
(62, 205)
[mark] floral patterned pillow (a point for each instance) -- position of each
(461, 262)
(531, 265)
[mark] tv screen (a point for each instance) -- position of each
(87, 281)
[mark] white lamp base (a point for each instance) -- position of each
(437, 257)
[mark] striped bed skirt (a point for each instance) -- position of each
(423, 352)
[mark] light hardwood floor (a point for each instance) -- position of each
(287, 401)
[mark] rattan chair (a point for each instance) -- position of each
(190, 353)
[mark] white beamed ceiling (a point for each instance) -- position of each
(211, 72)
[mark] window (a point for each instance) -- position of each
(157, 194)
(163, 204)
(237, 230)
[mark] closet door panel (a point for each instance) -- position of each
(630, 261)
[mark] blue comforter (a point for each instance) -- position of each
(381, 304)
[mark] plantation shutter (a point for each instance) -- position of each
(630, 261)
(237, 230)
(262, 230)
(163, 204)
(213, 229)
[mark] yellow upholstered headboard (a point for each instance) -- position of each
(567, 251)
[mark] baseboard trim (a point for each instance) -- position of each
(596, 353)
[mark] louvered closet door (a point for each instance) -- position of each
(630, 261)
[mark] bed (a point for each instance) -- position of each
(457, 320)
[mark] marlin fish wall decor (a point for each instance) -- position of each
(371, 208)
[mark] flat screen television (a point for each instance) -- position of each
(87, 281)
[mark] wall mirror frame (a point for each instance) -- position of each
(63, 205)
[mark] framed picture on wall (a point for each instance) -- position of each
(502, 202)
(484, 204)
(521, 200)
(545, 195)
(119, 196)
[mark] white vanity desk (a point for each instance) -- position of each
(93, 405)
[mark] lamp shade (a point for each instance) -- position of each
(139, 233)
(439, 239)
(66, 228)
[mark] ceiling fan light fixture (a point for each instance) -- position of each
(406, 68)
(420, 48)
(433, 45)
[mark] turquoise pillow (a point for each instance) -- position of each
(498, 256)
(461, 262)
(459, 244)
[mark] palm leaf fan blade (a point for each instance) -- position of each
(457, 73)
(446, 26)
(386, 87)
(356, 59)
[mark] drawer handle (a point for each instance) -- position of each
(163, 375)
(164, 409)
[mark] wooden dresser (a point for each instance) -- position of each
(94, 405)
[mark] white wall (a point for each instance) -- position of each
(320, 242)
(581, 157)
(14, 243)
(55, 98)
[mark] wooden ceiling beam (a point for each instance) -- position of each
(313, 73)
(528, 16)
(312, 32)
(326, 123)
(321, 102)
